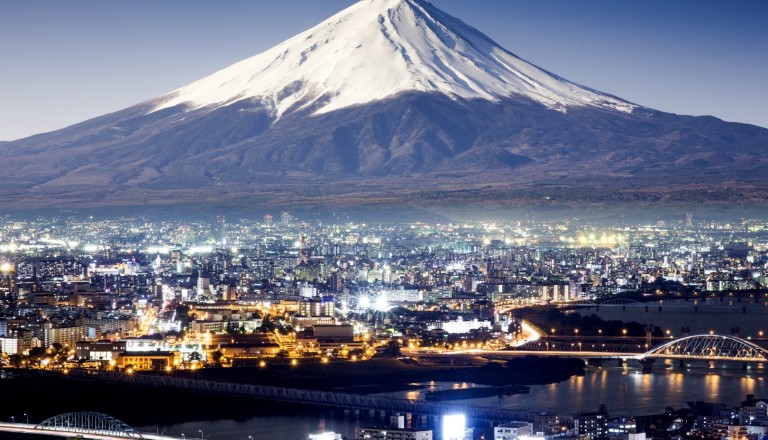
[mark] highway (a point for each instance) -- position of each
(433, 352)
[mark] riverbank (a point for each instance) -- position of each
(394, 374)
(26, 392)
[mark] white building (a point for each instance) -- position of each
(403, 295)
(393, 434)
(460, 325)
(11, 345)
(325, 436)
(512, 431)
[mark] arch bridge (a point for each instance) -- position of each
(89, 423)
(709, 347)
(699, 347)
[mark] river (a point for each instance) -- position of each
(625, 390)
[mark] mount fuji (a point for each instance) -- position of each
(388, 102)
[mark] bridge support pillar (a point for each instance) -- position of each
(681, 364)
(744, 366)
(622, 362)
(647, 365)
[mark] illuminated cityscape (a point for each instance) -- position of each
(372, 220)
(132, 295)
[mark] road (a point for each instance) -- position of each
(434, 352)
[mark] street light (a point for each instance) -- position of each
(26, 416)
(13, 419)
(202, 434)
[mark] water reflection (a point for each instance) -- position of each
(626, 391)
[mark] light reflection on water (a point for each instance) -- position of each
(629, 391)
(625, 390)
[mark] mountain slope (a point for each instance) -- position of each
(376, 49)
(390, 102)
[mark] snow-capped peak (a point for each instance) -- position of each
(376, 49)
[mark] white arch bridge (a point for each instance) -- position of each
(86, 424)
(699, 347)
(709, 347)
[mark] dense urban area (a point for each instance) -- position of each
(130, 295)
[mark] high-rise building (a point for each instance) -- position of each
(335, 282)
(220, 230)
(317, 306)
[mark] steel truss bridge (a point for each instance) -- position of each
(88, 423)
(320, 398)
(608, 302)
(700, 347)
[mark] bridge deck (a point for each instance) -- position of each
(321, 398)
(24, 428)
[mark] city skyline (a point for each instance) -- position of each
(689, 57)
(334, 306)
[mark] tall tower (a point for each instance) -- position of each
(689, 220)
(303, 249)
(220, 230)
(7, 278)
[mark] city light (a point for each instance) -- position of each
(192, 311)
(325, 436)
(382, 304)
(454, 426)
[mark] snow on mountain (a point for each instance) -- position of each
(376, 49)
